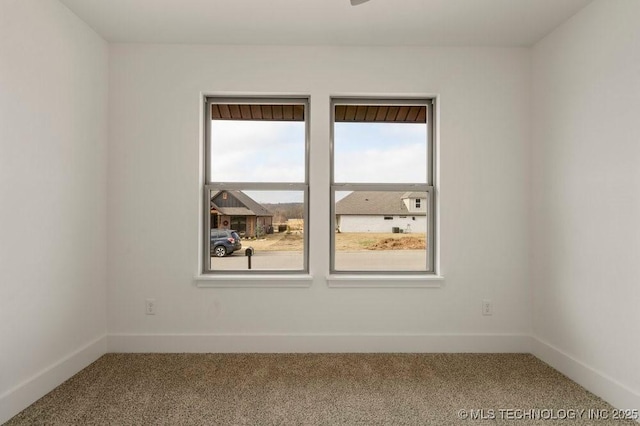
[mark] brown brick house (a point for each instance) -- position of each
(234, 209)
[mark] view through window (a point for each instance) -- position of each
(256, 188)
(382, 193)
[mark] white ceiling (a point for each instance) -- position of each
(327, 22)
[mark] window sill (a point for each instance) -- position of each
(384, 281)
(255, 281)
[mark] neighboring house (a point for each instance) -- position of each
(382, 211)
(236, 210)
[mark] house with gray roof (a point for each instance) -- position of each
(236, 210)
(382, 211)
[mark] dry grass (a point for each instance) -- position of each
(355, 241)
(277, 242)
(405, 242)
(350, 241)
(295, 224)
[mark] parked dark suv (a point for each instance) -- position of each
(224, 242)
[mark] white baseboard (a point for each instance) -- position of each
(318, 343)
(597, 382)
(26, 393)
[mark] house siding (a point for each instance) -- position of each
(377, 223)
(228, 201)
(265, 222)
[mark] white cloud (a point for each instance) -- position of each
(401, 164)
(380, 152)
(257, 151)
(270, 151)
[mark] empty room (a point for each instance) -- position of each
(319, 212)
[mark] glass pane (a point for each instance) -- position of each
(257, 151)
(270, 222)
(378, 152)
(381, 231)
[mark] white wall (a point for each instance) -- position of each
(53, 123)
(586, 198)
(154, 157)
(377, 223)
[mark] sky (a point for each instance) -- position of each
(273, 151)
(380, 153)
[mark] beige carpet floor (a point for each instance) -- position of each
(316, 389)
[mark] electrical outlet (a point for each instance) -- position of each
(487, 307)
(150, 306)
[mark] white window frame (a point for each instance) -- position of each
(428, 187)
(208, 186)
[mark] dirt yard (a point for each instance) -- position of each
(344, 241)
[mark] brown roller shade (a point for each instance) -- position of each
(257, 112)
(381, 113)
(343, 113)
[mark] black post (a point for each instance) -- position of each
(249, 252)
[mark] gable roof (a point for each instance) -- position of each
(414, 195)
(251, 207)
(378, 203)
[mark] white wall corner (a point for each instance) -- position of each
(595, 381)
(26, 393)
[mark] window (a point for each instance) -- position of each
(382, 166)
(256, 185)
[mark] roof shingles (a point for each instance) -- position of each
(377, 203)
(251, 207)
